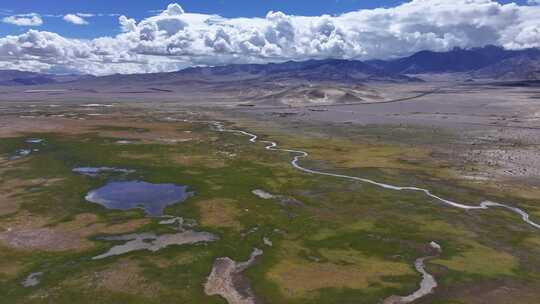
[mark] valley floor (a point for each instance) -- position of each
(257, 230)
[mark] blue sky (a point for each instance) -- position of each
(128, 36)
(108, 25)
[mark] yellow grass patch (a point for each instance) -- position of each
(198, 160)
(10, 267)
(165, 133)
(353, 154)
(221, 213)
(182, 160)
(533, 243)
(371, 156)
(436, 228)
(182, 258)
(126, 277)
(504, 187)
(299, 278)
(325, 233)
(480, 259)
(8, 203)
(282, 180)
(137, 156)
(11, 191)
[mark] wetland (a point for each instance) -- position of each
(165, 208)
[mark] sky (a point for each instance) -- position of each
(106, 36)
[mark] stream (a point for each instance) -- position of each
(273, 146)
(428, 283)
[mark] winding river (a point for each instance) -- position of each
(299, 154)
(428, 283)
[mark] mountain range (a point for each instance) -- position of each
(283, 84)
(458, 61)
(488, 62)
(15, 77)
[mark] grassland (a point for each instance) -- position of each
(347, 243)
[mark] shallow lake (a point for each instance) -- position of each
(124, 195)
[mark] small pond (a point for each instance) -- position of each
(20, 154)
(34, 141)
(94, 171)
(124, 195)
(32, 279)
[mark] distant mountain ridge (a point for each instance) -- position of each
(524, 67)
(453, 61)
(314, 70)
(490, 62)
(15, 77)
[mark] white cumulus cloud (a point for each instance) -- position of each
(174, 39)
(75, 19)
(32, 19)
